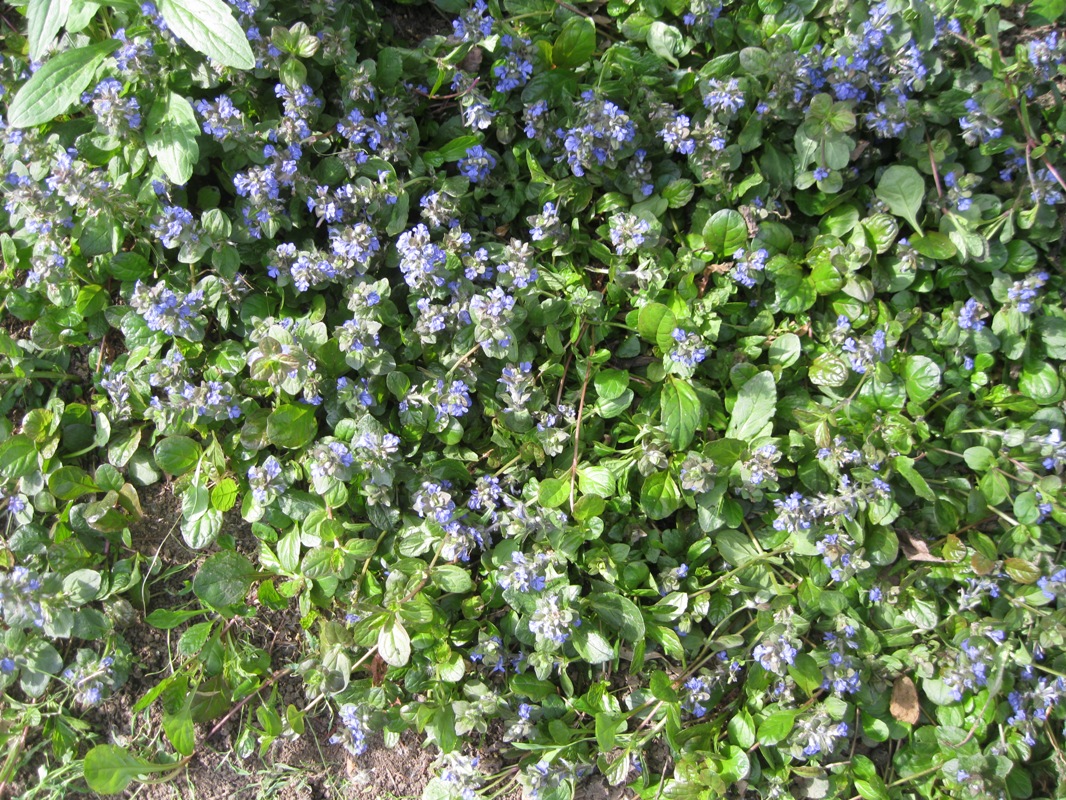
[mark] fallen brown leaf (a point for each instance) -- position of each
(904, 705)
(916, 549)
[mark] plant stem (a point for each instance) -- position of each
(273, 679)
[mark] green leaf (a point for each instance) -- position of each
(654, 320)
(621, 614)
(553, 492)
(194, 638)
(597, 481)
(58, 85)
(725, 232)
(608, 726)
(592, 647)
(176, 455)
(208, 26)
(109, 768)
(735, 547)
(456, 148)
(785, 350)
(168, 619)
(171, 136)
(934, 245)
(776, 727)
(224, 495)
(575, 44)
(830, 370)
(680, 407)
(18, 456)
(44, 19)
(528, 685)
(659, 496)
(82, 586)
(905, 467)
(202, 531)
(667, 42)
(902, 189)
(753, 413)
(451, 578)
(224, 579)
(292, 426)
(70, 483)
(662, 688)
(979, 459)
(871, 788)
(180, 731)
(742, 729)
(1047, 11)
(1040, 382)
(394, 644)
(611, 383)
(921, 376)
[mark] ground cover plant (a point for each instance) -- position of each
(673, 389)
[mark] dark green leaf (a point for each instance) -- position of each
(18, 456)
(224, 579)
(575, 44)
(776, 727)
(592, 647)
(70, 483)
(725, 232)
(680, 409)
(292, 426)
(621, 614)
(659, 496)
(176, 455)
(921, 376)
(109, 768)
(553, 492)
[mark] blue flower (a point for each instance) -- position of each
(970, 314)
(475, 23)
(690, 350)
(353, 736)
(477, 164)
(723, 97)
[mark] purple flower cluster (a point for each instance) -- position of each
(352, 737)
(475, 23)
(689, 351)
(165, 310)
(421, 260)
(862, 353)
(90, 679)
(746, 263)
(477, 164)
(516, 68)
(453, 399)
(221, 119)
(969, 316)
(1023, 293)
(114, 113)
(176, 227)
(627, 232)
(524, 574)
(598, 139)
(267, 481)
